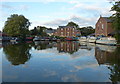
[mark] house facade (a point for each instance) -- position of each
(103, 26)
(67, 31)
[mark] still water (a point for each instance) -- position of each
(60, 62)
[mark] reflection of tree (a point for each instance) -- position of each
(17, 54)
(112, 59)
(68, 47)
(40, 45)
(115, 66)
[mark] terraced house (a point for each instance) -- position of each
(67, 31)
(103, 26)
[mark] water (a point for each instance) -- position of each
(60, 62)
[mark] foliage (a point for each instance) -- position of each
(39, 30)
(34, 31)
(116, 19)
(115, 65)
(85, 31)
(17, 25)
(17, 54)
(41, 45)
(72, 24)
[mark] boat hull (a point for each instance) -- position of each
(106, 42)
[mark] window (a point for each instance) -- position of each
(61, 33)
(102, 26)
(61, 44)
(61, 28)
(68, 33)
(98, 27)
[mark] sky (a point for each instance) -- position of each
(54, 13)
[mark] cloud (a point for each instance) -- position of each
(6, 6)
(46, 1)
(15, 8)
(70, 78)
(82, 21)
(56, 22)
(24, 7)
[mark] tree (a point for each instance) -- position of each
(85, 31)
(39, 30)
(72, 24)
(17, 25)
(116, 19)
(34, 31)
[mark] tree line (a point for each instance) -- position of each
(18, 26)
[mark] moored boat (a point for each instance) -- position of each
(91, 39)
(29, 38)
(37, 38)
(106, 41)
(83, 39)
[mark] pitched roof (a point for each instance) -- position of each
(107, 19)
(66, 26)
(62, 26)
(49, 31)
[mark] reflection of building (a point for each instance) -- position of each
(103, 26)
(104, 57)
(68, 46)
(101, 56)
(67, 31)
(40, 45)
(0, 44)
(112, 59)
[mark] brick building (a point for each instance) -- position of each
(67, 31)
(103, 26)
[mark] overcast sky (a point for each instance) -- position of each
(54, 13)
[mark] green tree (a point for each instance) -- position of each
(72, 24)
(17, 25)
(34, 31)
(39, 31)
(116, 19)
(85, 31)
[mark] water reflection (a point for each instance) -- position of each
(62, 61)
(18, 53)
(109, 55)
(40, 45)
(68, 47)
(87, 46)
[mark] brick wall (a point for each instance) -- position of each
(67, 32)
(103, 27)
